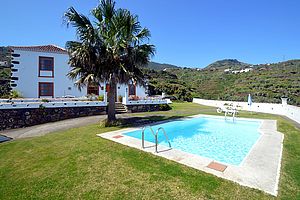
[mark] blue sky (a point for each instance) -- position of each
(189, 33)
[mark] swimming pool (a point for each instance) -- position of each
(215, 138)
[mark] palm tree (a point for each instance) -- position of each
(111, 49)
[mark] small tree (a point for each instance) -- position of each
(112, 49)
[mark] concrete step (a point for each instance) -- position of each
(119, 108)
(121, 111)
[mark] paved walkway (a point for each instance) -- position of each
(44, 129)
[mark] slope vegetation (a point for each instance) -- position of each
(266, 82)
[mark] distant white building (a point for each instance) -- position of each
(227, 70)
(238, 71)
(246, 70)
(42, 73)
(235, 71)
(3, 63)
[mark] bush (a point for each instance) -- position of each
(120, 98)
(15, 94)
(164, 107)
(4, 90)
(101, 98)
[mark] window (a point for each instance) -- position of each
(131, 89)
(46, 66)
(46, 89)
(93, 89)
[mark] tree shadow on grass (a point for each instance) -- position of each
(126, 122)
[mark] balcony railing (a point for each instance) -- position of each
(45, 103)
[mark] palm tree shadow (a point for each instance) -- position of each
(126, 122)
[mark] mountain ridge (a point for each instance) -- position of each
(227, 63)
(160, 66)
(219, 64)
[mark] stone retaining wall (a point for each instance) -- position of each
(18, 118)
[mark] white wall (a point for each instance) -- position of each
(28, 75)
(121, 90)
(292, 112)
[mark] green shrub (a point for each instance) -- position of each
(164, 107)
(101, 98)
(120, 98)
(45, 100)
(15, 94)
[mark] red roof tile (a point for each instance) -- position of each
(43, 48)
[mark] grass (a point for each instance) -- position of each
(76, 164)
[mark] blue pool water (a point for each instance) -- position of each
(223, 141)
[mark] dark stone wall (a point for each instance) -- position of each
(18, 118)
(143, 108)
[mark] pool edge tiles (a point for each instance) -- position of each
(259, 170)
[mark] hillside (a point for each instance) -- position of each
(227, 63)
(159, 66)
(266, 83)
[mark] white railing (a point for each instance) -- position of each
(55, 104)
(31, 100)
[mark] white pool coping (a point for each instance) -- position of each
(260, 169)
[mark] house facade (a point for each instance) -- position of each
(42, 73)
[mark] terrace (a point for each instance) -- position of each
(74, 102)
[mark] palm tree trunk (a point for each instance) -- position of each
(111, 112)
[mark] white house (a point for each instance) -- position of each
(246, 70)
(42, 73)
(227, 70)
(238, 71)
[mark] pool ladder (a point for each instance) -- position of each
(233, 115)
(155, 136)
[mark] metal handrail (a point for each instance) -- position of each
(166, 136)
(143, 134)
(155, 136)
(233, 114)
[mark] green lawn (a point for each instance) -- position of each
(76, 164)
